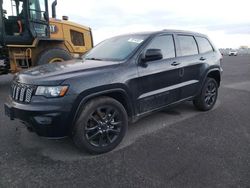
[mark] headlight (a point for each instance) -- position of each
(51, 91)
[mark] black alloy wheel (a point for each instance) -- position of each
(207, 98)
(211, 93)
(101, 125)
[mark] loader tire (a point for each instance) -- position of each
(53, 55)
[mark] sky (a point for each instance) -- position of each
(226, 22)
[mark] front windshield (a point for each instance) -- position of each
(116, 49)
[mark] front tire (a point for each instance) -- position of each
(101, 125)
(53, 55)
(207, 98)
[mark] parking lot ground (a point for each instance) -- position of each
(178, 147)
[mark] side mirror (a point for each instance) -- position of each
(4, 11)
(152, 55)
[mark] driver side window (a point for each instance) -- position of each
(165, 43)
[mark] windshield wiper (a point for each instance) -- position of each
(92, 58)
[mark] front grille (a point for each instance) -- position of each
(22, 92)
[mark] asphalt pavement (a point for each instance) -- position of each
(178, 147)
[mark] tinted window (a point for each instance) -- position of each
(188, 45)
(165, 43)
(204, 45)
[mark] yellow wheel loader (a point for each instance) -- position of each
(28, 37)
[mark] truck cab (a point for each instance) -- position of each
(23, 20)
(29, 37)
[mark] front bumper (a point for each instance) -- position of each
(52, 121)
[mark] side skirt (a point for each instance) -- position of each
(144, 114)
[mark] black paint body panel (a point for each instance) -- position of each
(145, 88)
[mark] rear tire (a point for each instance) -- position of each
(53, 55)
(207, 98)
(101, 125)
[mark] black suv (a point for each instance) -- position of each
(118, 81)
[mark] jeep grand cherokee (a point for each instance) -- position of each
(118, 81)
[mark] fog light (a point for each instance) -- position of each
(43, 120)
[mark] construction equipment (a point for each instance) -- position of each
(28, 37)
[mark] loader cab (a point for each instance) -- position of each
(22, 21)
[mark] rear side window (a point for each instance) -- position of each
(204, 45)
(165, 43)
(188, 45)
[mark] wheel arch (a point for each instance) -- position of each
(119, 94)
(215, 74)
(211, 73)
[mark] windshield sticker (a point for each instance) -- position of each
(138, 41)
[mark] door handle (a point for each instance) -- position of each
(175, 63)
(202, 59)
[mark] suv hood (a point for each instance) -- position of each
(56, 73)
